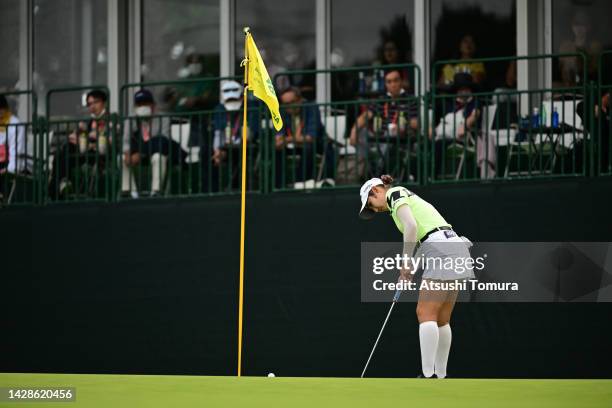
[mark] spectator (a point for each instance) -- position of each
(89, 145)
(12, 140)
(147, 140)
(194, 96)
(572, 67)
(389, 117)
(603, 115)
(302, 135)
(462, 126)
(227, 126)
(392, 55)
(603, 121)
(467, 50)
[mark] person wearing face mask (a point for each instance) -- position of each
(146, 141)
(572, 67)
(461, 124)
(194, 96)
(227, 137)
(90, 143)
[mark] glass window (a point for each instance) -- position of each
(284, 32)
(580, 27)
(385, 37)
(9, 52)
(175, 33)
(462, 29)
(181, 42)
(70, 48)
(359, 41)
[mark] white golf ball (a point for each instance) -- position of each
(270, 375)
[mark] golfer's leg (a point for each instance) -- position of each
(427, 313)
(445, 335)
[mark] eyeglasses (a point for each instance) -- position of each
(228, 90)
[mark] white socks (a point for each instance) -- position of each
(127, 178)
(428, 336)
(435, 347)
(158, 171)
(445, 336)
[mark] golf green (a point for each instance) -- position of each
(117, 391)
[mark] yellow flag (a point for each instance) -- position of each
(259, 82)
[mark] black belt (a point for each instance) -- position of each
(446, 228)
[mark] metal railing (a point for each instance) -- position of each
(348, 142)
(71, 89)
(79, 158)
(417, 139)
(507, 134)
(361, 81)
(171, 88)
(184, 154)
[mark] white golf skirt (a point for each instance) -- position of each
(446, 256)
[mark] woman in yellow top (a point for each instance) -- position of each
(467, 50)
(423, 227)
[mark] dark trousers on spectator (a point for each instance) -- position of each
(162, 145)
(67, 158)
(304, 167)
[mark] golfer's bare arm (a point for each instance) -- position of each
(410, 228)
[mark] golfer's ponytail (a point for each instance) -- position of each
(387, 180)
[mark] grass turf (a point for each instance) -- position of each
(117, 391)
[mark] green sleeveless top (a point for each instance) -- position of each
(426, 216)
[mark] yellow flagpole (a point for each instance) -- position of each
(245, 62)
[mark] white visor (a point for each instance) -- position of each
(366, 213)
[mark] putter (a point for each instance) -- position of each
(396, 297)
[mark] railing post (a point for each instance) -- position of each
(589, 106)
(423, 149)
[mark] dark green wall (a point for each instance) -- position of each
(151, 287)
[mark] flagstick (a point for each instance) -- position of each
(243, 199)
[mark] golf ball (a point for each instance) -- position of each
(270, 375)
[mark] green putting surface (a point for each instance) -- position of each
(116, 391)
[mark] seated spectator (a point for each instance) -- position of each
(12, 143)
(467, 50)
(12, 140)
(388, 117)
(89, 144)
(604, 117)
(227, 139)
(194, 96)
(147, 140)
(603, 121)
(462, 126)
(302, 135)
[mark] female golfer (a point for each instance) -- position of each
(432, 237)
